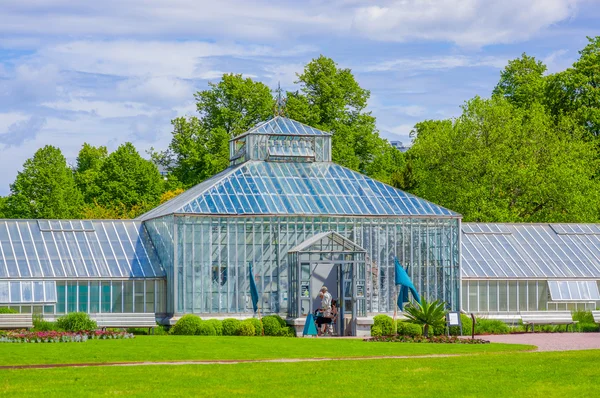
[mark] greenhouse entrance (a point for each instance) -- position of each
(331, 260)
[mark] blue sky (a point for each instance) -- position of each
(115, 71)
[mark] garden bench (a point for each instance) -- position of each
(596, 315)
(16, 321)
(125, 320)
(547, 318)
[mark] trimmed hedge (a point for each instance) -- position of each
(231, 327)
(76, 322)
(491, 326)
(287, 331)
(258, 327)
(271, 325)
(588, 327)
(218, 325)
(376, 331)
(5, 310)
(386, 324)
(187, 325)
(246, 329)
(206, 329)
(409, 329)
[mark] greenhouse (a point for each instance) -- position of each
(282, 209)
(510, 268)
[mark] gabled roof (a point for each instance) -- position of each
(280, 125)
(272, 188)
(329, 240)
(544, 251)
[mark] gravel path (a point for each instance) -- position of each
(550, 341)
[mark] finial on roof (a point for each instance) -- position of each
(279, 102)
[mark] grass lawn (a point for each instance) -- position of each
(548, 374)
(176, 348)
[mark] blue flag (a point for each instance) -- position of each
(253, 290)
(406, 284)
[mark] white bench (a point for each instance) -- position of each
(125, 320)
(16, 321)
(596, 315)
(547, 318)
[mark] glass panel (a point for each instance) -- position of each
(117, 293)
(483, 299)
(26, 292)
(532, 295)
(139, 296)
(149, 296)
(523, 296)
(473, 297)
(38, 292)
(493, 296)
(94, 296)
(503, 296)
(71, 296)
(61, 297)
(512, 298)
(106, 302)
(4, 292)
(83, 296)
(128, 296)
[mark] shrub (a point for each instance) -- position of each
(218, 325)
(76, 322)
(5, 310)
(491, 326)
(409, 329)
(206, 329)
(231, 327)
(40, 325)
(583, 316)
(281, 321)
(258, 327)
(187, 325)
(288, 331)
(246, 329)
(271, 325)
(467, 325)
(588, 327)
(386, 324)
(376, 331)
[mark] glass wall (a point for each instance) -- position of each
(492, 296)
(212, 257)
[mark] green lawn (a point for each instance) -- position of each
(554, 374)
(176, 348)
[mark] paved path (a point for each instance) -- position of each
(550, 341)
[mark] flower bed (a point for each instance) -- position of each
(423, 339)
(22, 336)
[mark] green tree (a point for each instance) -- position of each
(331, 99)
(427, 314)
(87, 169)
(126, 179)
(576, 91)
(45, 188)
(234, 104)
(3, 211)
(522, 82)
(501, 163)
(194, 153)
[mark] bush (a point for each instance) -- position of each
(490, 326)
(187, 325)
(376, 331)
(5, 310)
(288, 331)
(218, 325)
(386, 324)
(271, 325)
(231, 327)
(467, 325)
(409, 329)
(281, 321)
(206, 329)
(583, 316)
(588, 327)
(246, 329)
(40, 325)
(76, 322)
(258, 327)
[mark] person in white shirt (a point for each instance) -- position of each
(325, 309)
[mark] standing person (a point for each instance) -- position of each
(325, 310)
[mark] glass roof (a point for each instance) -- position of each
(76, 249)
(329, 241)
(529, 251)
(280, 125)
(320, 188)
(573, 290)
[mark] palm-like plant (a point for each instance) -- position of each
(428, 314)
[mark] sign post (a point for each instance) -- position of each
(453, 319)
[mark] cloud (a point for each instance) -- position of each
(436, 63)
(22, 131)
(472, 23)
